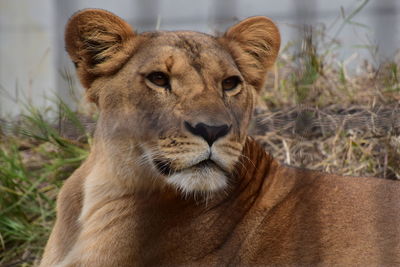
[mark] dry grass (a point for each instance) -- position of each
(317, 114)
(361, 142)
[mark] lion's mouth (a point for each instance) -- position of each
(165, 168)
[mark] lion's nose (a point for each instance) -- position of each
(209, 133)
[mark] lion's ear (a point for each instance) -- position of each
(254, 44)
(98, 42)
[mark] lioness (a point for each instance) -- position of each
(173, 178)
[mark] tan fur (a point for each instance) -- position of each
(121, 208)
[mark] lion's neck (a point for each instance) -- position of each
(253, 169)
(165, 220)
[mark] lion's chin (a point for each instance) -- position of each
(207, 179)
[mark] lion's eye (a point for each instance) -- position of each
(230, 83)
(159, 78)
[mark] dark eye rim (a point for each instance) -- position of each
(236, 79)
(151, 78)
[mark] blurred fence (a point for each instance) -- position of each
(35, 68)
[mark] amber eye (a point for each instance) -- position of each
(159, 79)
(230, 83)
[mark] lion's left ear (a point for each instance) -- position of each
(254, 44)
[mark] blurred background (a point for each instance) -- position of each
(34, 66)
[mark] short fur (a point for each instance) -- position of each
(122, 208)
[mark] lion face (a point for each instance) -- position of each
(174, 106)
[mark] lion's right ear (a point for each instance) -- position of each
(99, 43)
(254, 44)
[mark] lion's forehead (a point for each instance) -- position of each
(192, 41)
(199, 50)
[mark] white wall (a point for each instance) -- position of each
(27, 53)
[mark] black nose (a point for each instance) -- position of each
(209, 133)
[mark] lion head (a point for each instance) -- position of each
(174, 106)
